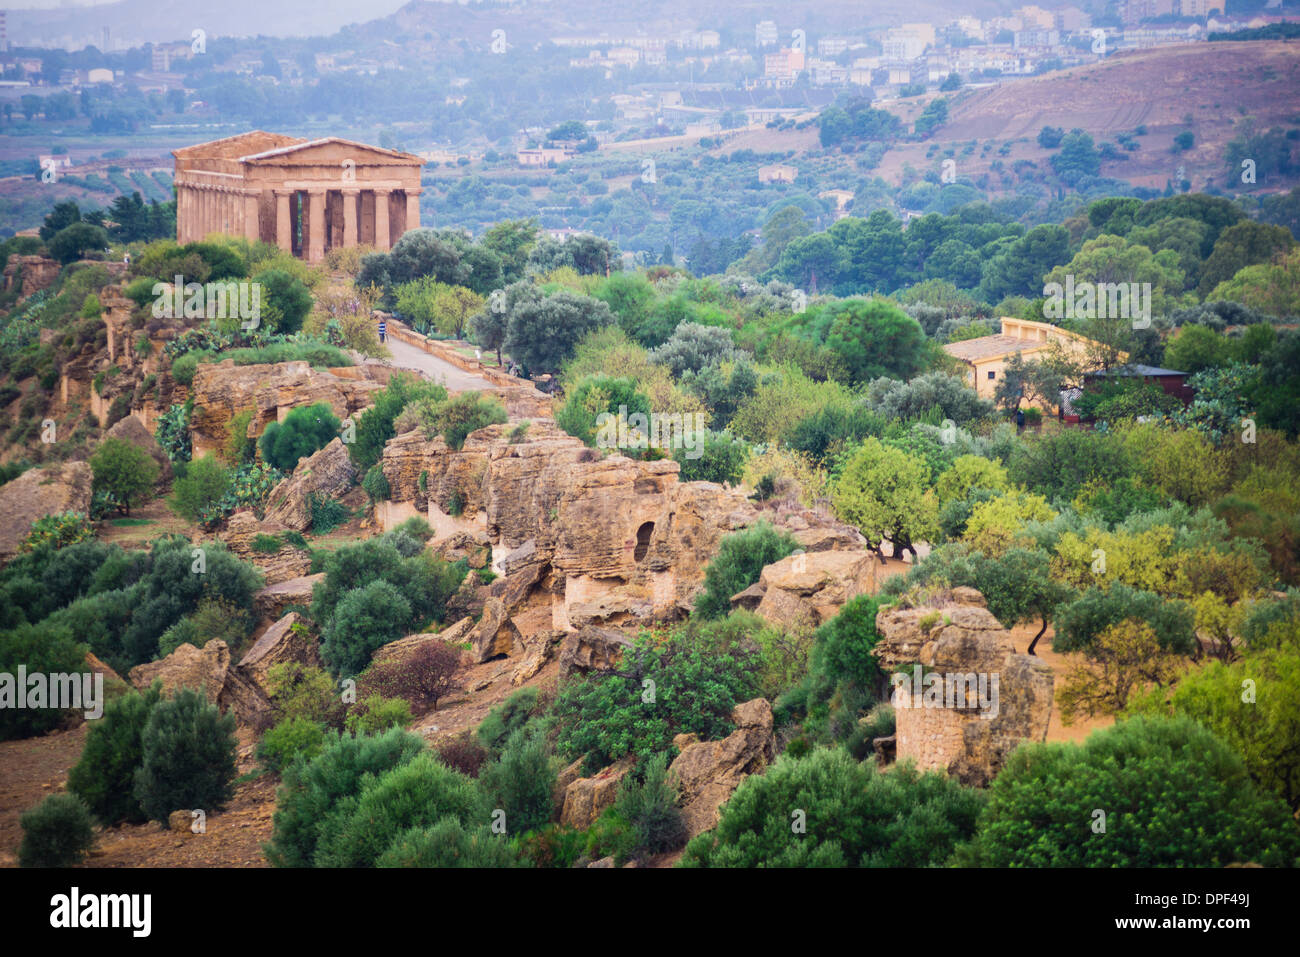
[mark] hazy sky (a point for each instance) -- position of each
(50, 4)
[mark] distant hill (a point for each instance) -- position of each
(139, 21)
(1216, 84)
(133, 22)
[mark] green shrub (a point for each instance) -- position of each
(692, 689)
(188, 757)
(266, 544)
(650, 807)
(173, 432)
(782, 652)
(376, 714)
(519, 433)
(327, 514)
(827, 810)
(11, 470)
(291, 738)
(449, 843)
(239, 448)
(554, 845)
(843, 675)
(125, 471)
(465, 413)
(1060, 464)
(184, 367)
(721, 458)
(880, 722)
(521, 782)
(44, 648)
(57, 531)
(1172, 793)
(376, 484)
(104, 777)
(741, 557)
(286, 301)
(1080, 622)
(214, 618)
(196, 492)
(417, 794)
(611, 836)
(507, 718)
(366, 618)
(416, 527)
(594, 396)
(425, 582)
(1261, 727)
(304, 430)
(140, 291)
(320, 355)
(309, 799)
(302, 691)
(56, 833)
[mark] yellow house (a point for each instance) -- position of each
(986, 358)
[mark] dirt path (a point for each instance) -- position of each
(454, 379)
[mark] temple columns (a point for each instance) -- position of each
(350, 197)
(252, 224)
(383, 232)
(413, 208)
(283, 220)
(316, 225)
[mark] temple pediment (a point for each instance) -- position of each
(233, 147)
(329, 150)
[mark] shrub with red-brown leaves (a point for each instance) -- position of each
(463, 753)
(424, 677)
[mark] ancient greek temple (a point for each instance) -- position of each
(306, 196)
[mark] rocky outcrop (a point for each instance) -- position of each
(469, 599)
(586, 798)
(132, 430)
(201, 669)
(327, 473)
(517, 606)
(707, 772)
(520, 571)
(400, 650)
(471, 547)
(208, 670)
(592, 649)
(539, 648)
(287, 640)
(95, 666)
(37, 493)
(522, 401)
(222, 390)
(807, 590)
(281, 565)
(960, 612)
(496, 634)
(963, 699)
(621, 605)
(269, 603)
(599, 540)
(30, 274)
